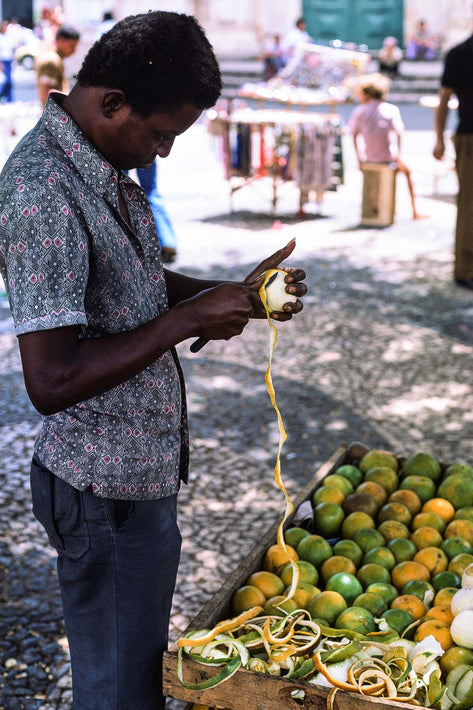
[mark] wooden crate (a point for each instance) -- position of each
(379, 195)
(248, 690)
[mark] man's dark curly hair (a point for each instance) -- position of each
(160, 60)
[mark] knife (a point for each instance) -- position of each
(200, 342)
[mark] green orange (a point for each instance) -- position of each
(328, 519)
(402, 548)
(345, 584)
(372, 573)
(398, 619)
(385, 476)
(422, 485)
(356, 521)
(378, 457)
(350, 549)
(338, 481)
(353, 474)
(307, 573)
(387, 591)
(380, 556)
(374, 603)
(356, 618)
(367, 538)
(293, 536)
(327, 605)
(314, 549)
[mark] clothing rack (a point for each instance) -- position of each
(281, 146)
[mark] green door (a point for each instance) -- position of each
(359, 21)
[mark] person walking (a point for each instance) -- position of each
(98, 319)
(7, 53)
(457, 80)
(379, 125)
(49, 64)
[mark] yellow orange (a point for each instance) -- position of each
(356, 521)
(406, 571)
(328, 494)
(276, 558)
(459, 563)
(440, 506)
(336, 564)
(247, 597)
(441, 613)
(267, 582)
(426, 537)
(433, 558)
(385, 476)
(391, 529)
(408, 498)
(431, 520)
(460, 528)
(444, 596)
(375, 490)
(437, 629)
(394, 511)
(410, 603)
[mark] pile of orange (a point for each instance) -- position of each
(390, 538)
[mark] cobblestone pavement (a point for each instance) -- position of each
(381, 354)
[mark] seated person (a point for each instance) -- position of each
(389, 57)
(274, 58)
(377, 128)
(422, 45)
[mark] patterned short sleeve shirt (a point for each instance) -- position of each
(67, 258)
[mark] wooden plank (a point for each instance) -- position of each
(247, 690)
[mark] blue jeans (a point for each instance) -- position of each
(6, 91)
(149, 182)
(117, 566)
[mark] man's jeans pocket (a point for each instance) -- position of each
(59, 508)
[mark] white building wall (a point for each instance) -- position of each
(240, 27)
(450, 19)
(234, 27)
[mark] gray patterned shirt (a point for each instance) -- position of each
(68, 258)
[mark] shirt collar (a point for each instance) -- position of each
(102, 177)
